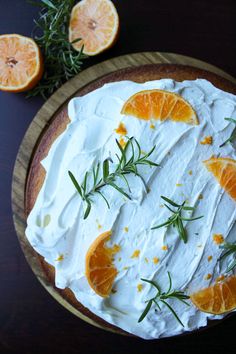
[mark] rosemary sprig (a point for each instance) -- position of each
(61, 61)
(177, 219)
(103, 177)
(232, 137)
(229, 248)
(162, 297)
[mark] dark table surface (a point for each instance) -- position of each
(31, 321)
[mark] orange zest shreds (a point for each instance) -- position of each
(116, 248)
(96, 22)
(135, 254)
(152, 126)
(99, 268)
(217, 299)
(126, 229)
(99, 226)
(224, 170)
(208, 276)
(160, 105)
(220, 278)
(140, 287)
(21, 63)
(207, 140)
(155, 260)
(121, 129)
(164, 248)
(218, 239)
(122, 142)
(209, 258)
(60, 258)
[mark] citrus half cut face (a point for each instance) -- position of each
(96, 23)
(21, 65)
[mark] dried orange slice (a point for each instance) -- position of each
(21, 65)
(96, 22)
(99, 269)
(217, 299)
(159, 104)
(224, 170)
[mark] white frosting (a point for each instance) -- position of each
(56, 226)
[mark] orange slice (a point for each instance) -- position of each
(159, 104)
(99, 269)
(224, 170)
(21, 65)
(217, 299)
(96, 22)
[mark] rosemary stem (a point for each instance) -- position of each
(177, 219)
(162, 297)
(126, 165)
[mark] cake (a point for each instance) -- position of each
(65, 232)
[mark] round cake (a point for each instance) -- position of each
(130, 200)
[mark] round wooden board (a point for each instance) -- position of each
(87, 80)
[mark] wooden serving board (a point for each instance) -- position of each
(157, 65)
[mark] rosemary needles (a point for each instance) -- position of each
(61, 61)
(177, 218)
(128, 162)
(232, 137)
(162, 297)
(229, 248)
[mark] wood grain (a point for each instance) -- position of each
(51, 117)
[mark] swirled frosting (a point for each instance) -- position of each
(57, 231)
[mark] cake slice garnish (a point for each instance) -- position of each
(224, 170)
(160, 105)
(218, 298)
(99, 268)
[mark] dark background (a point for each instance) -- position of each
(31, 321)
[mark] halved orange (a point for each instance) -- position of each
(21, 63)
(224, 170)
(96, 22)
(161, 105)
(217, 299)
(99, 269)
